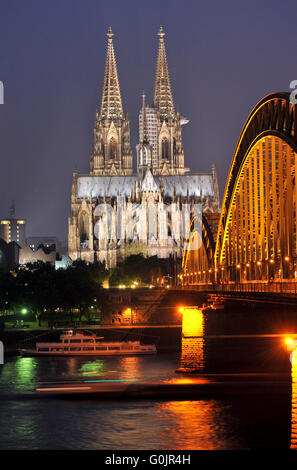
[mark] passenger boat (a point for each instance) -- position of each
(79, 343)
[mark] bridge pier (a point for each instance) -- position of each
(192, 354)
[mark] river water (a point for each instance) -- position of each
(233, 422)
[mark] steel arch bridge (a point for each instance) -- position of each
(199, 251)
(257, 234)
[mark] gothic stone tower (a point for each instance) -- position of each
(169, 136)
(112, 154)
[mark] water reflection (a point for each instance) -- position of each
(19, 375)
(194, 425)
(91, 368)
(294, 400)
(192, 356)
(129, 367)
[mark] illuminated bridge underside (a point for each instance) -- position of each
(257, 236)
(199, 252)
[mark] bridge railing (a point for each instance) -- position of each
(277, 287)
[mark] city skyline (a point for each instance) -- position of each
(53, 84)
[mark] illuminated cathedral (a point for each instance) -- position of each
(116, 212)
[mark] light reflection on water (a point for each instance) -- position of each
(294, 401)
(196, 424)
(205, 424)
(55, 424)
(22, 374)
(201, 424)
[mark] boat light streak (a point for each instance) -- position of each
(61, 388)
(115, 380)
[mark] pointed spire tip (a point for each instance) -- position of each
(111, 101)
(161, 33)
(110, 33)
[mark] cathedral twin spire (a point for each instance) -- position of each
(112, 154)
(163, 100)
(111, 104)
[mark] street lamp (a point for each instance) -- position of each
(238, 278)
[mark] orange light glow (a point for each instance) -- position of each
(127, 315)
(293, 359)
(192, 321)
(190, 422)
(192, 357)
(186, 380)
(291, 344)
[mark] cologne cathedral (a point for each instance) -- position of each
(116, 212)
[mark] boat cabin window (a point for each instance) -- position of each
(88, 349)
(125, 346)
(102, 348)
(75, 349)
(87, 340)
(75, 341)
(114, 348)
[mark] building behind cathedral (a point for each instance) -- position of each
(115, 212)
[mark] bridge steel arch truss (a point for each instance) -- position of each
(198, 256)
(257, 237)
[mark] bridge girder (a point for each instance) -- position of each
(260, 200)
(273, 120)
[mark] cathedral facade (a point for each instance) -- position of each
(115, 212)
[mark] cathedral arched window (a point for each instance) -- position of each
(145, 158)
(165, 149)
(113, 149)
(141, 156)
(102, 147)
(84, 227)
(169, 221)
(174, 148)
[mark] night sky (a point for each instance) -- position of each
(223, 58)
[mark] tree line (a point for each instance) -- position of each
(41, 290)
(52, 294)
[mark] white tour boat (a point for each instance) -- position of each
(78, 343)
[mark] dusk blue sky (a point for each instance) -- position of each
(223, 58)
